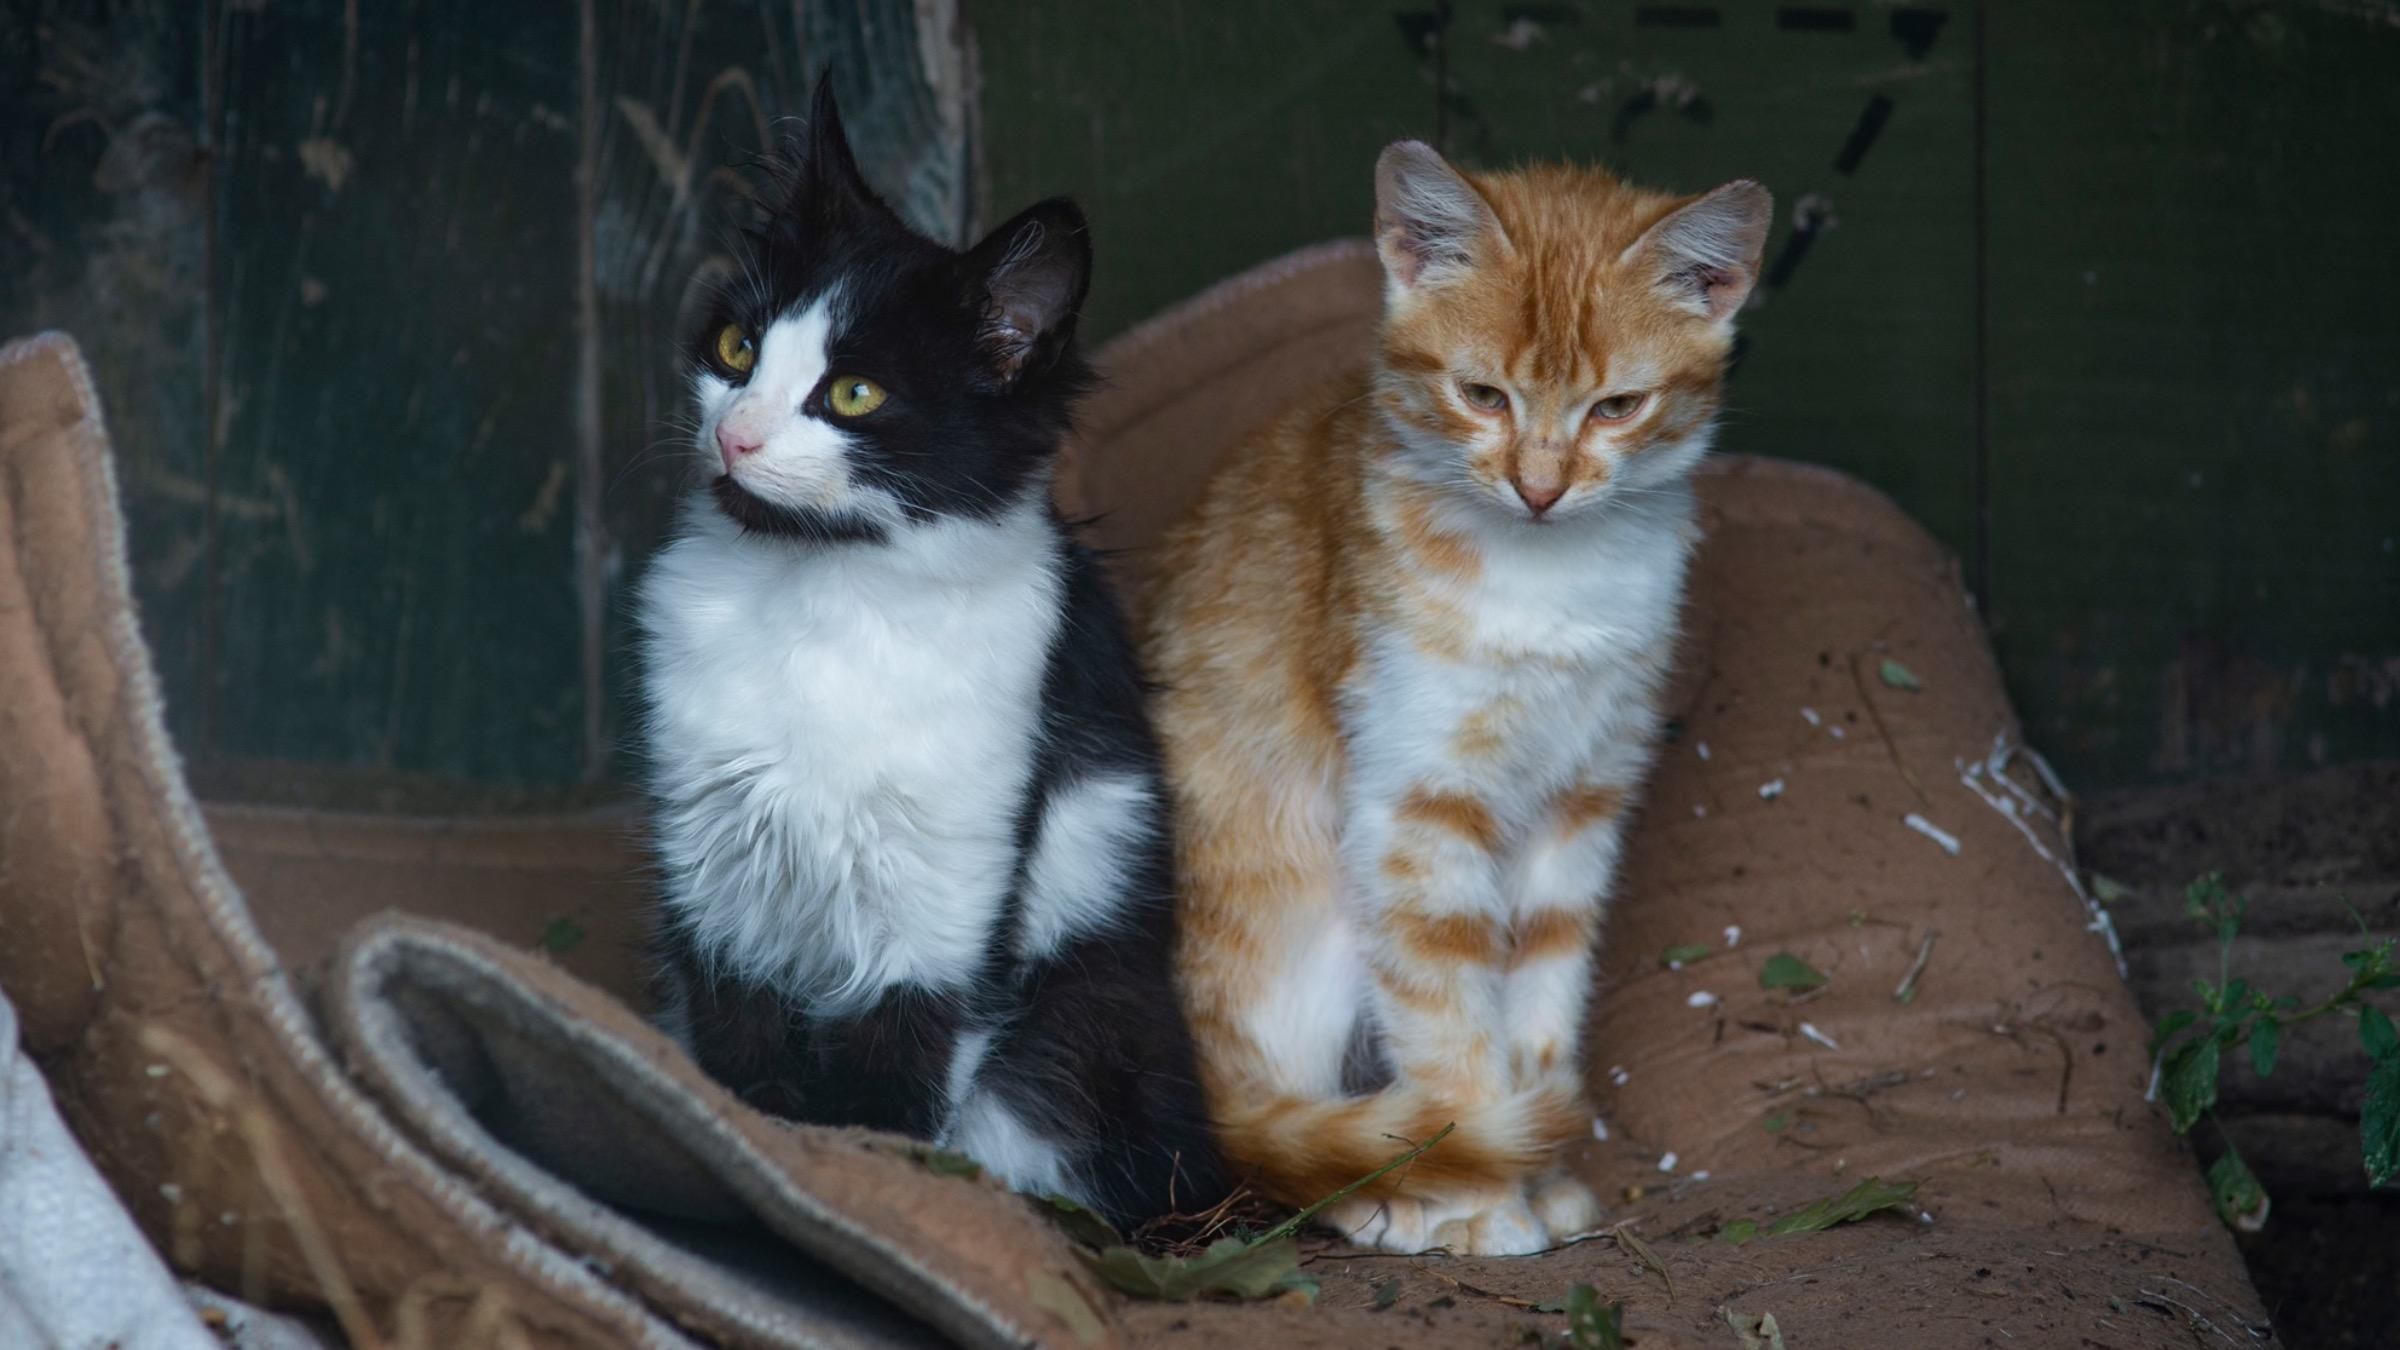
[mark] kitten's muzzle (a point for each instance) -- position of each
(734, 444)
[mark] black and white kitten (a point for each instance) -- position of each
(906, 797)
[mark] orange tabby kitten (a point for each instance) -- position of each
(1412, 641)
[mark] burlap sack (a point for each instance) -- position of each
(462, 1142)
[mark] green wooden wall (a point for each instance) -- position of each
(382, 299)
(2103, 293)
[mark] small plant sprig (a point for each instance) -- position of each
(2234, 1017)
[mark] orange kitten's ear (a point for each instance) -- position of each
(1706, 252)
(1427, 217)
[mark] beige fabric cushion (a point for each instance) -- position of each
(464, 1139)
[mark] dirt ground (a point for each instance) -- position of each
(2327, 1264)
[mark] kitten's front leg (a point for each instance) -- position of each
(1421, 857)
(1558, 892)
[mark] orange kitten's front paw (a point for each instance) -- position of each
(1566, 1206)
(1505, 1228)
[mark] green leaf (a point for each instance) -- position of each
(1591, 1324)
(2379, 1123)
(1386, 1294)
(2108, 890)
(1081, 1224)
(2167, 1027)
(2241, 1202)
(2237, 995)
(561, 935)
(1899, 676)
(1738, 1232)
(1779, 1122)
(1232, 1267)
(2375, 1032)
(1684, 955)
(2266, 1037)
(1867, 1197)
(2359, 960)
(2189, 1082)
(1786, 971)
(943, 1162)
(2388, 980)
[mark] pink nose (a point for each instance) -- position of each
(734, 444)
(1538, 497)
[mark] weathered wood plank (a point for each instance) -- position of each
(398, 276)
(2195, 430)
(103, 199)
(1200, 136)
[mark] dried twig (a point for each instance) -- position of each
(1908, 983)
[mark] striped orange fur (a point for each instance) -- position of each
(1411, 643)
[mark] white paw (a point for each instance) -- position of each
(1566, 1206)
(1507, 1227)
(1399, 1224)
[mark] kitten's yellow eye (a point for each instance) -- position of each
(854, 396)
(1484, 396)
(1618, 407)
(735, 351)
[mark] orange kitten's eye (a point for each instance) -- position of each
(1618, 407)
(1487, 397)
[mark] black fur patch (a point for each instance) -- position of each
(977, 353)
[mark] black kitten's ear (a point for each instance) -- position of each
(1030, 275)
(830, 165)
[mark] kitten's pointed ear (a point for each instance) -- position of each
(830, 165)
(1428, 218)
(1029, 277)
(1705, 254)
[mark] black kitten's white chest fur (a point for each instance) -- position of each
(906, 798)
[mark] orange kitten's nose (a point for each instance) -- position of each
(1538, 497)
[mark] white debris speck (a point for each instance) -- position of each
(1959, 1095)
(1701, 998)
(172, 1192)
(1699, 811)
(1617, 1075)
(1701, 1175)
(1771, 789)
(1733, 935)
(1838, 733)
(1701, 749)
(154, 1070)
(1809, 1029)
(1666, 1162)
(1925, 1217)
(1520, 34)
(1600, 1129)
(1809, 715)
(1936, 833)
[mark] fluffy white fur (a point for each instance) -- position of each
(841, 738)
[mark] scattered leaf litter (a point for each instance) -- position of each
(1936, 833)
(1786, 971)
(1907, 990)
